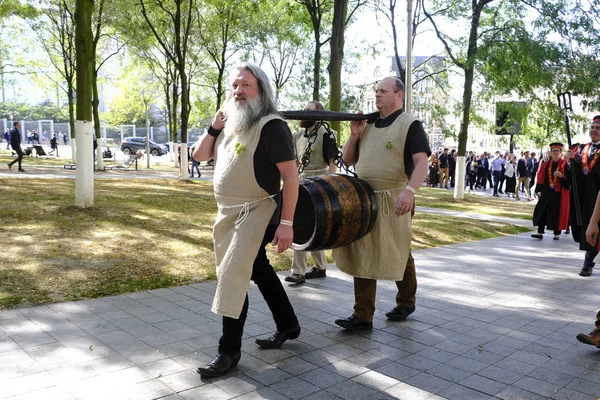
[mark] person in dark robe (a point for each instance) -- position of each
(552, 209)
(587, 176)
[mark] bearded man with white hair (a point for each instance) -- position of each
(253, 151)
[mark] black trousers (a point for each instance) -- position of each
(19, 157)
(274, 294)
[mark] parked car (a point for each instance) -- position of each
(133, 144)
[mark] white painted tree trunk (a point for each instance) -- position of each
(99, 158)
(459, 177)
(73, 151)
(173, 147)
(184, 162)
(84, 178)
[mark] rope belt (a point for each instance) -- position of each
(245, 209)
(385, 209)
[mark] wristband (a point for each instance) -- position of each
(213, 132)
(286, 222)
(411, 189)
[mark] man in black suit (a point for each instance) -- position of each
(15, 143)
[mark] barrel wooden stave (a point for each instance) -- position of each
(333, 211)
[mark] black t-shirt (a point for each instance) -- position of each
(274, 146)
(416, 139)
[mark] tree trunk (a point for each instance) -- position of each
(84, 183)
(401, 69)
(174, 118)
(71, 132)
(96, 113)
(337, 57)
(469, 68)
(317, 67)
(185, 115)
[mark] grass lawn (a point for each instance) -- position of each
(142, 234)
(502, 206)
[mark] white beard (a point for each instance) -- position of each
(241, 117)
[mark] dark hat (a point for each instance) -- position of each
(556, 145)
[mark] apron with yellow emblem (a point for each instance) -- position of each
(244, 213)
(383, 252)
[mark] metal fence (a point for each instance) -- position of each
(111, 136)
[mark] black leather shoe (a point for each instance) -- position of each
(315, 273)
(537, 236)
(295, 278)
(220, 365)
(586, 271)
(400, 313)
(354, 324)
(275, 341)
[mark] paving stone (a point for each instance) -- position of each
(375, 380)
(403, 391)
(182, 381)
(429, 383)
(483, 384)
(467, 364)
(585, 386)
(295, 365)
(515, 393)
(294, 388)
(346, 368)
(237, 385)
(263, 393)
(500, 374)
(268, 375)
(208, 391)
(551, 376)
(569, 394)
(351, 390)
(537, 386)
(449, 373)
(459, 392)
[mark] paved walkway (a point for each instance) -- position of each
(495, 319)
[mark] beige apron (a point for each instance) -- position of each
(317, 165)
(244, 213)
(383, 252)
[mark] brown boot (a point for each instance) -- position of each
(592, 338)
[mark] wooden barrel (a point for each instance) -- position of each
(333, 211)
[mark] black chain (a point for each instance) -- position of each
(338, 159)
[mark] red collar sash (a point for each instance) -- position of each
(585, 166)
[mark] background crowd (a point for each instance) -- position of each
(504, 173)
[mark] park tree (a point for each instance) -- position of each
(341, 18)
(223, 30)
(320, 13)
(182, 15)
(84, 130)
(56, 30)
(284, 43)
(103, 14)
(513, 34)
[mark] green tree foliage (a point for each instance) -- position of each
(44, 110)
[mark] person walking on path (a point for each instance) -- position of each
(391, 155)
(321, 162)
(587, 175)
(523, 175)
(253, 150)
(54, 145)
(444, 163)
(15, 143)
(7, 138)
(552, 209)
(496, 165)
